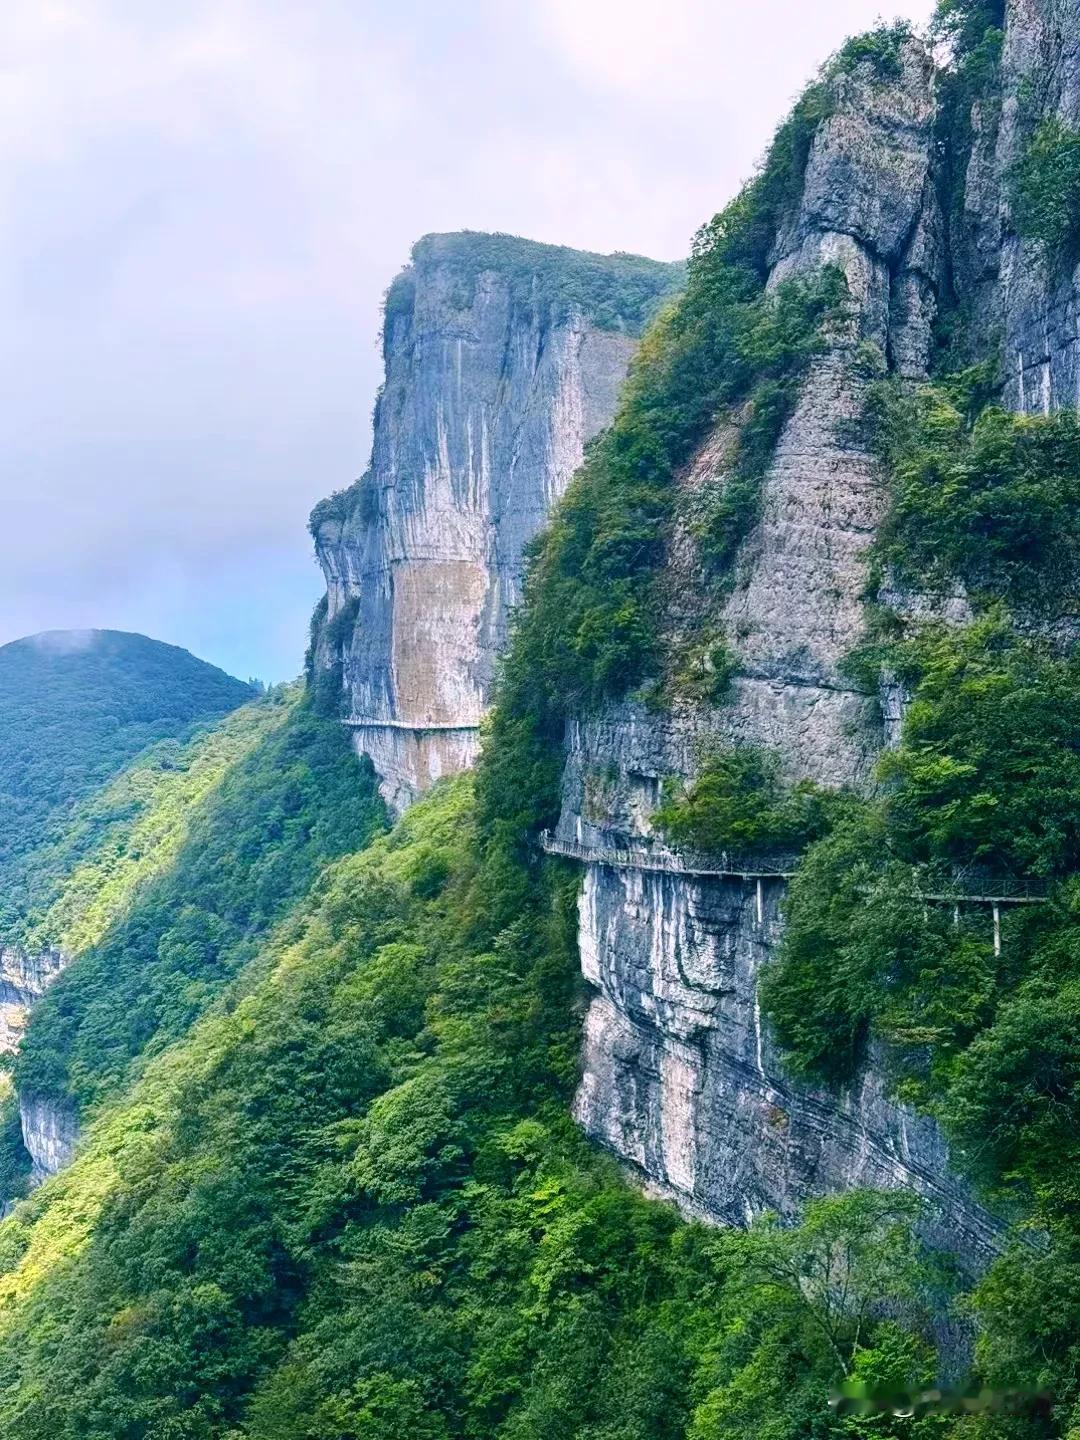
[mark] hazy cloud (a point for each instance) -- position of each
(205, 203)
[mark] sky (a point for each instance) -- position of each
(203, 204)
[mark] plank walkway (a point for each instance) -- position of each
(357, 722)
(994, 892)
(727, 867)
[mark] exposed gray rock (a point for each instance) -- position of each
(1040, 295)
(484, 416)
(680, 1076)
(869, 161)
(868, 207)
(49, 1132)
(23, 980)
(496, 377)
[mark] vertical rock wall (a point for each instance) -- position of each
(488, 402)
(1039, 294)
(681, 1077)
(49, 1132)
(24, 978)
(502, 359)
(679, 1074)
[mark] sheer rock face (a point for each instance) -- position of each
(494, 383)
(49, 1132)
(1040, 296)
(869, 207)
(680, 1077)
(23, 980)
(1030, 299)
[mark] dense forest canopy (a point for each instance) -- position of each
(328, 1186)
(75, 707)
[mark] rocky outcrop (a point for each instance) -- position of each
(680, 1076)
(24, 978)
(502, 359)
(1040, 293)
(491, 393)
(49, 1132)
(1014, 290)
(868, 207)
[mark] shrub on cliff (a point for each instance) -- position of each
(992, 503)
(740, 803)
(1046, 189)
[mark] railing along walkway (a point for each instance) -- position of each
(994, 891)
(724, 866)
(360, 722)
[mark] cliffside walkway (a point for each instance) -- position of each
(721, 867)
(994, 892)
(716, 867)
(359, 722)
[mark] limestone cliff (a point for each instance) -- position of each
(503, 358)
(48, 1130)
(679, 1075)
(490, 395)
(24, 978)
(1031, 299)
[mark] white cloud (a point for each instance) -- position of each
(204, 202)
(630, 46)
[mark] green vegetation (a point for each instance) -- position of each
(987, 776)
(615, 292)
(881, 47)
(324, 681)
(350, 1202)
(988, 1043)
(329, 1187)
(996, 504)
(964, 24)
(703, 668)
(1046, 190)
(589, 628)
(985, 783)
(740, 803)
(128, 832)
(167, 911)
(75, 707)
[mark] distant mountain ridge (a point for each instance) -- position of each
(75, 707)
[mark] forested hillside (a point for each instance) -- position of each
(328, 1186)
(352, 1203)
(75, 707)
